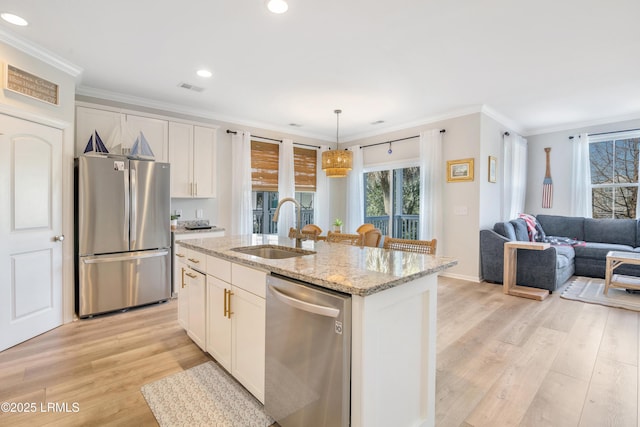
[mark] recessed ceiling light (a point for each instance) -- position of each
(204, 73)
(277, 6)
(295, 125)
(377, 122)
(14, 19)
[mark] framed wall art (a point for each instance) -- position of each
(493, 169)
(460, 170)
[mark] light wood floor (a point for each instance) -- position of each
(502, 361)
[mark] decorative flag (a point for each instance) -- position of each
(547, 184)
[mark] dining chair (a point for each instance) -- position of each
(345, 238)
(312, 231)
(420, 246)
(364, 228)
(371, 238)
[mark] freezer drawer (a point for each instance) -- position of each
(116, 281)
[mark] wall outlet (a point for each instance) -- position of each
(178, 212)
(198, 213)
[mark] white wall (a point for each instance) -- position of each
(560, 165)
(59, 116)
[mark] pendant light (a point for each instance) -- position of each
(337, 163)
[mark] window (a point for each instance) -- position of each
(264, 182)
(392, 201)
(614, 162)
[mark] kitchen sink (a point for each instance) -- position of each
(272, 251)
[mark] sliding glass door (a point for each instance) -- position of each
(392, 201)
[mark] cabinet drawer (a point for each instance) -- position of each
(219, 268)
(197, 260)
(249, 279)
(181, 253)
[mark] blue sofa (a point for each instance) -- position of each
(551, 268)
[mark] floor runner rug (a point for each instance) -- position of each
(589, 289)
(204, 395)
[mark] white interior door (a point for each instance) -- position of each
(30, 230)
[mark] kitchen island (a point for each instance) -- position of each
(393, 333)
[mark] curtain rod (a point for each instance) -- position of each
(615, 131)
(273, 139)
(395, 140)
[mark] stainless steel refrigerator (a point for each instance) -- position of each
(123, 234)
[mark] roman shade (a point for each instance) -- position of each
(265, 169)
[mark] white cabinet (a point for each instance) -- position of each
(107, 122)
(155, 131)
(192, 153)
(196, 296)
(180, 253)
(89, 120)
(192, 294)
(179, 283)
(236, 311)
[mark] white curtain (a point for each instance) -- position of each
(241, 205)
(286, 188)
(321, 199)
(355, 193)
(514, 183)
(580, 177)
(431, 186)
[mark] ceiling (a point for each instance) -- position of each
(541, 65)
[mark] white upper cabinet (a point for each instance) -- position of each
(107, 123)
(192, 153)
(155, 131)
(89, 120)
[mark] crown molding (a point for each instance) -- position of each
(502, 119)
(188, 111)
(40, 53)
(417, 123)
(583, 124)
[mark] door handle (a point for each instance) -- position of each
(303, 305)
(59, 238)
(183, 277)
(193, 276)
(229, 312)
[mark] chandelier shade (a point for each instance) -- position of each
(337, 163)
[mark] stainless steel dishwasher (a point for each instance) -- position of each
(308, 354)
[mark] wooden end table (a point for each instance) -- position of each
(509, 285)
(614, 260)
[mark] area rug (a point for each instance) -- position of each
(589, 289)
(204, 395)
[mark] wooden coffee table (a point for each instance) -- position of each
(614, 260)
(509, 286)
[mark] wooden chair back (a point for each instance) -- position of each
(364, 228)
(312, 231)
(419, 246)
(344, 238)
(372, 238)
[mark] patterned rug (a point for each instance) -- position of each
(589, 289)
(204, 395)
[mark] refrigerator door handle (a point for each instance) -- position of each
(125, 234)
(303, 305)
(115, 258)
(134, 208)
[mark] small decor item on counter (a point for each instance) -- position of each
(547, 184)
(337, 225)
(174, 221)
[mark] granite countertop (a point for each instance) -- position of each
(344, 268)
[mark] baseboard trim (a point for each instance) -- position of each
(474, 279)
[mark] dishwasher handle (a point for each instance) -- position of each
(303, 305)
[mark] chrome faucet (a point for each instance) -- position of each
(298, 235)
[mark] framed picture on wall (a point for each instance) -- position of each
(460, 170)
(493, 165)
